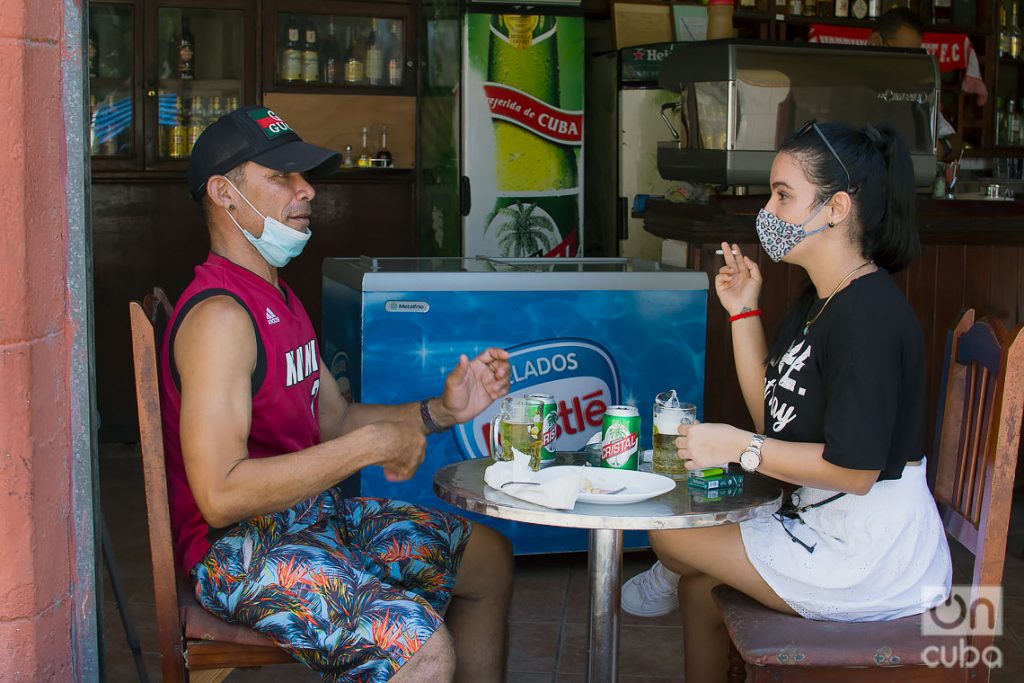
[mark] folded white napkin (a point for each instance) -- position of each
(558, 492)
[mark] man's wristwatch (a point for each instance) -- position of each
(750, 458)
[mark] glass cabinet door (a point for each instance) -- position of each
(200, 63)
(338, 50)
(111, 63)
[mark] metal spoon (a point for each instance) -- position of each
(523, 483)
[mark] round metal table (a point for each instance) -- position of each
(462, 485)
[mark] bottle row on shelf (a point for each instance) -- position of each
(1010, 35)
(933, 11)
(180, 127)
(382, 158)
(370, 53)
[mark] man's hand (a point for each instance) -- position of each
(473, 385)
(402, 447)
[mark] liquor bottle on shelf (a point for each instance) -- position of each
(874, 9)
(374, 57)
(291, 58)
(810, 8)
(196, 122)
(216, 110)
(348, 159)
(794, 7)
(842, 10)
(396, 56)
(186, 52)
(1015, 33)
(1004, 31)
(384, 154)
(1000, 123)
(179, 133)
(826, 8)
(364, 151)
(232, 103)
(94, 53)
(942, 11)
(355, 71)
(332, 55)
(310, 55)
(859, 9)
(746, 5)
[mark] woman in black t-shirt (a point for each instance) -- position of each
(838, 403)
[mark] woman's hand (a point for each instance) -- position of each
(710, 445)
(738, 282)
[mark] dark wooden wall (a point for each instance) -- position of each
(151, 233)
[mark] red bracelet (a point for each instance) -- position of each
(745, 314)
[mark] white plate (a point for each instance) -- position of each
(639, 485)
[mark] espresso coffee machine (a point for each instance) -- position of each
(740, 99)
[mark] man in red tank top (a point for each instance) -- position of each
(258, 436)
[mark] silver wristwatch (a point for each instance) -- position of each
(750, 458)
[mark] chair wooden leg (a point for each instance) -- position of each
(737, 667)
(209, 675)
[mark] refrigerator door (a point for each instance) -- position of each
(522, 155)
(593, 335)
(641, 129)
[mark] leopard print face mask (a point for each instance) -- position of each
(778, 237)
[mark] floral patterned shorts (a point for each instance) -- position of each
(351, 587)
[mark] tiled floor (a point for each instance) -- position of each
(549, 609)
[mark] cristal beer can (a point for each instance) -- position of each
(547, 445)
(620, 438)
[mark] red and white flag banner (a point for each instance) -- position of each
(952, 50)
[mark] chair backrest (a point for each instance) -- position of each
(978, 440)
(148, 323)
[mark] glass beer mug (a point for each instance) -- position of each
(520, 423)
(669, 413)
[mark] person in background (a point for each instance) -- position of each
(900, 27)
(258, 436)
(838, 404)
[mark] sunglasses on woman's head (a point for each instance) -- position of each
(812, 124)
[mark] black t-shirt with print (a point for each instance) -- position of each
(855, 382)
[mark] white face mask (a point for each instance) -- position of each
(278, 244)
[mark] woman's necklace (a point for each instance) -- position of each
(811, 321)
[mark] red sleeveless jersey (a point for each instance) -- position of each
(285, 385)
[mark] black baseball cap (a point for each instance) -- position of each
(253, 134)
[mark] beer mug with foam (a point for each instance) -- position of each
(669, 413)
(518, 427)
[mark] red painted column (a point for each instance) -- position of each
(35, 336)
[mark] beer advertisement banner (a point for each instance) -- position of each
(522, 137)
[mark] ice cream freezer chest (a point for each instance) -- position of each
(592, 332)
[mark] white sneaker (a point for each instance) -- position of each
(652, 593)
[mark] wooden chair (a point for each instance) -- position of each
(978, 437)
(191, 639)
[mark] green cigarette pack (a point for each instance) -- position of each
(702, 496)
(727, 480)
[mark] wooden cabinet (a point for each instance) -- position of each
(160, 72)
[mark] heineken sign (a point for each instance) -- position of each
(515, 106)
(643, 62)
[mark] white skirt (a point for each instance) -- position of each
(876, 556)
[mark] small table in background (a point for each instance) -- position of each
(462, 485)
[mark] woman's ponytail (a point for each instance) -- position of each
(893, 242)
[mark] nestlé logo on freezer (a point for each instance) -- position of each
(579, 373)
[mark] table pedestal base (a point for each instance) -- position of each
(605, 585)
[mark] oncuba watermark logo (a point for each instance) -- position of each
(579, 373)
(968, 611)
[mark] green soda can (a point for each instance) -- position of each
(550, 430)
(620, 438)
